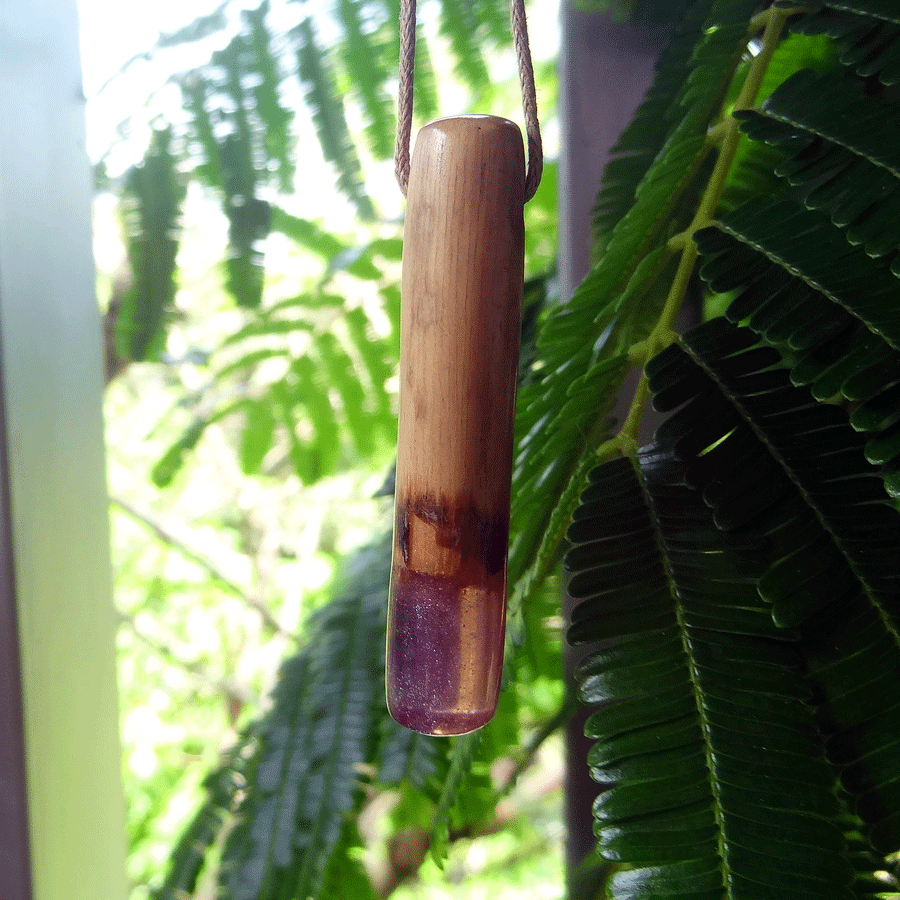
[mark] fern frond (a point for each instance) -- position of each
(804, 245)
(737, 411)
(256, 438)
(643, 138)
(311, 744)
(852, 173)
(364, 56)
(307, 233)
(345, 876)
(768, 458)
(706, 746)
(189, 855)
(804, 287)
(170, 463)
(197, 92)
(152, 204)
(339, 370)
(248, 216)
(265, 71)
(327, 107)
(407, 757)
(563, 416)
(461, 756)
(460, 26)
(866, 32)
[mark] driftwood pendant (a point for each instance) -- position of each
(463, 260)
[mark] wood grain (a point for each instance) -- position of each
(463, 263)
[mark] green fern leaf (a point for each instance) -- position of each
(425, 91)
(831, 306)
(705, 744)
(339, 370)
(251, 360)
(256, 439)
(575, 337)
(151, 209)
(768, 458)
(852, 174)
(306, 233)
(249, 217)
(271, 327)
(300, 452)
(188, 857)
(197, 92)
(261, 847)
(275, 118)
(364, 56)
(345, 875)
(377, 361)
(737, 411)
(310, 395)
(324, 100)
(169, 465)
(460, 26)
(867, 34)
(804, 245)
(291, 830)
(407, 757)
(640, 142)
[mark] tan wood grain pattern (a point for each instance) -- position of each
(463, 263)
(462, 286)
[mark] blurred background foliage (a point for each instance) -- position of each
(248, 233)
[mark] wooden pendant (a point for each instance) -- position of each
(463, 261)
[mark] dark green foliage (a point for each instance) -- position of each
(812, 491)
(713, 779)
(832, 535)
(190, 853)
(275, 118)
(172, 460)
(307, 750)
(781, 276)
(866, 33)
(850, 172)
(154, 193)
(582, 344)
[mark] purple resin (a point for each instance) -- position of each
(445, 651)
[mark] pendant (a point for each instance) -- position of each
(463, 264)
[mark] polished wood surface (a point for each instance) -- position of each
(463, 263)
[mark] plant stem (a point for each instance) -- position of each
(663, 334)
(167, 537)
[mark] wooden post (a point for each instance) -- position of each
(463, 262)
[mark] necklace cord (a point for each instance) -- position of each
(526, 79)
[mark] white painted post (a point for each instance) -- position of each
(52, 381)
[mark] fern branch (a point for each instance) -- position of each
(662, 334)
